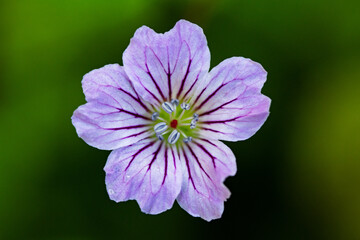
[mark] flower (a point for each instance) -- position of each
(163, 113)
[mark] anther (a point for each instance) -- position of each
(175, 102)
(160, 137)
(196, 116)
(160, 127)
(188, 139)
(168, 107)
(154, 116)
(193, 123)
(185, 106)
(173, 137)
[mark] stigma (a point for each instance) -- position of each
(174, 123)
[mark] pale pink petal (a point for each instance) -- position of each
(149, 172)
(205, 165)
(167, 66)
(231, 106)
(115, 116)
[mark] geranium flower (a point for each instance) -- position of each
(163, 113)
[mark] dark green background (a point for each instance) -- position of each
(298, 177)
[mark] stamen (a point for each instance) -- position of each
(186, 119)
(165, 132)
(160, 118)
(154, 116)
(196, 115)
(182, 133)
(185, 106)
(175, 102)
(174, 136)
(193, 122)
(188, 139)
(182, 113)
(160, 127)
(160, 137)
(168, 107)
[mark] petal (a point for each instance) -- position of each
(114, 116)
(148, 172)
(167, 66)
(231, 106)
(205, 165)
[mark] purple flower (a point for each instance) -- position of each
(163, 114)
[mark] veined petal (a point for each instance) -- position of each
(169, 65)
(111, 86)
(109, 128)
(114, 116)
(205, 164)
(231, 106)
(148, 172)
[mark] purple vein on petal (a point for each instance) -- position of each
(169, 81)
(168, 73)
(154, 81)
(155, 155)
(192, 85)
(166, 166)
(173, 156)
(210, 96)
(188, 169)
(198, 162)
(137, 153)
(155, 97)
(136, 99)
(133, 114)
(134, 135)
(197, 98)
(223, 121)
(127, 127)
(211, 130)
(215, 109)
(208, 153)
(184, 79)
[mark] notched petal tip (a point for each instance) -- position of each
(169, 65)
(206, 164)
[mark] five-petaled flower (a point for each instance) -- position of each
(163, 114)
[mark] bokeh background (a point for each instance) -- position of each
(298, 177)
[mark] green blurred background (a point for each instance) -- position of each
(298, 177)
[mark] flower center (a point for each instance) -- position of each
(173, 122)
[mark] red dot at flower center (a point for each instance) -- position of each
(173, 123)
